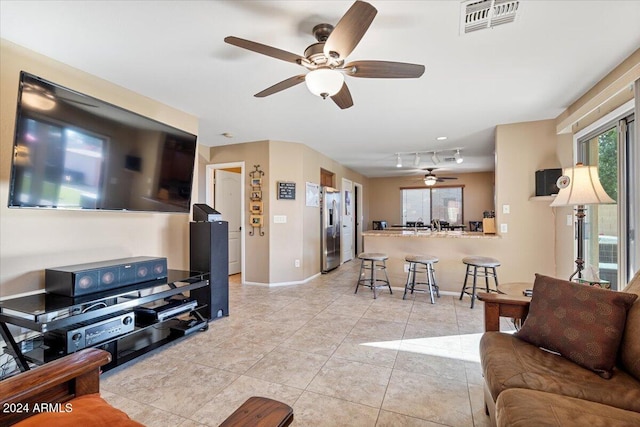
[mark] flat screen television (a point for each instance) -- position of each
(72, 151)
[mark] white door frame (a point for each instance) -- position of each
(360, 220)
(210, 174)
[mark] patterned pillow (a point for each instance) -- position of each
(582, 323)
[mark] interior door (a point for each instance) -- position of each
(227, 201)
(346, 242)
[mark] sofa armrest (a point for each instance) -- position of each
(59, 381)
(499, 305)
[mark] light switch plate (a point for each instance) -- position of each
(569, 220)
(506, 209)
(504, 228)
(279, 219)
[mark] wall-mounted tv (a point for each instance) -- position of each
(72, 151)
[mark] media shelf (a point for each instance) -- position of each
(106, 319)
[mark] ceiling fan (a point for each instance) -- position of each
(430, 179)
(325, 59)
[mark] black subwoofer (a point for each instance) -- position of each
(209, 253)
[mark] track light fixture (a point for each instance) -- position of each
(434, 158)
(416, 160)
(458, 157)
(398, 161)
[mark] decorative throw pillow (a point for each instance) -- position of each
(582, 323)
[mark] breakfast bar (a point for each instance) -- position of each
(448, 246)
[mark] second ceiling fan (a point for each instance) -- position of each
(325, 59)
(430, 179)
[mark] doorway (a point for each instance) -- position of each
(346, 242)
(225, 193)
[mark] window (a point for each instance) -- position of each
(608, 238)
(426, 204)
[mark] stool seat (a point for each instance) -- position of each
(373, 256)
(373, 261)
(481, 261)
(487, 266)
(421, 259)
(421, 264)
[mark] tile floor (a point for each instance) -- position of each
(337, 358)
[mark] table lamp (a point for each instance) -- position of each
(580, 185)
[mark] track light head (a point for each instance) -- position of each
(398, 161)
(434, 158)
(416, 161)
(458, 157)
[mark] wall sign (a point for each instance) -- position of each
(286, 190)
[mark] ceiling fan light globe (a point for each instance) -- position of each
(324, 82)
(430, 181)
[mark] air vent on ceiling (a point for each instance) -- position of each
(478, 15)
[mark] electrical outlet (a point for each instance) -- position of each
(297, 263)
(506, 209)
(504, 228)
(406, 267)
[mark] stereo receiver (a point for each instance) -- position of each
(79, 336)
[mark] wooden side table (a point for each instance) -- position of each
(516, 289)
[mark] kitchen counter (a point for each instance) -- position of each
(448, 246)
(430, 234)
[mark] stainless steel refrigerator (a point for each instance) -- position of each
(330, 224)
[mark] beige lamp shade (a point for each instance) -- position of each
(580, 185)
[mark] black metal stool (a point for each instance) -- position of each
(373, 261)
(476, 262)
(421, 264)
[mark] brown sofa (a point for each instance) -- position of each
(528, 386)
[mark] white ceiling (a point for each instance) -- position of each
(173, 51)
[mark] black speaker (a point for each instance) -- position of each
(84, 279)
(546, 181)
(209, 253)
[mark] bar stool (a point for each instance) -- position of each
(476, 262)
(373, 261)
(421, 264)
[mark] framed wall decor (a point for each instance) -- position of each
(256, 195)
(256, 220)
(256, 182)
(255, 206)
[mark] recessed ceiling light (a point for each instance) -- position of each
(441, 138)
(227, 134)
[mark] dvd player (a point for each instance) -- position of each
(164, 311)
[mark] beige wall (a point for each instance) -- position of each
(31, 239)
(529, 245)
(270, 259)
(386, 203)
(257, 246)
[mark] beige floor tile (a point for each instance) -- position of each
(391, 419)
(427, 364)
(365, 351)
(230, 398)
(288, 367)
(433, 399)
(144, 414)
(314, 340)
(318, 410)
(353, 381)
(335, 357)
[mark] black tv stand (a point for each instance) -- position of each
(54, 317)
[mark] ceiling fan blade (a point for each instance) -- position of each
(384, 70)
(285, 84)
(343, 98)
(265, 50)
(349, 30)
(446, 177)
